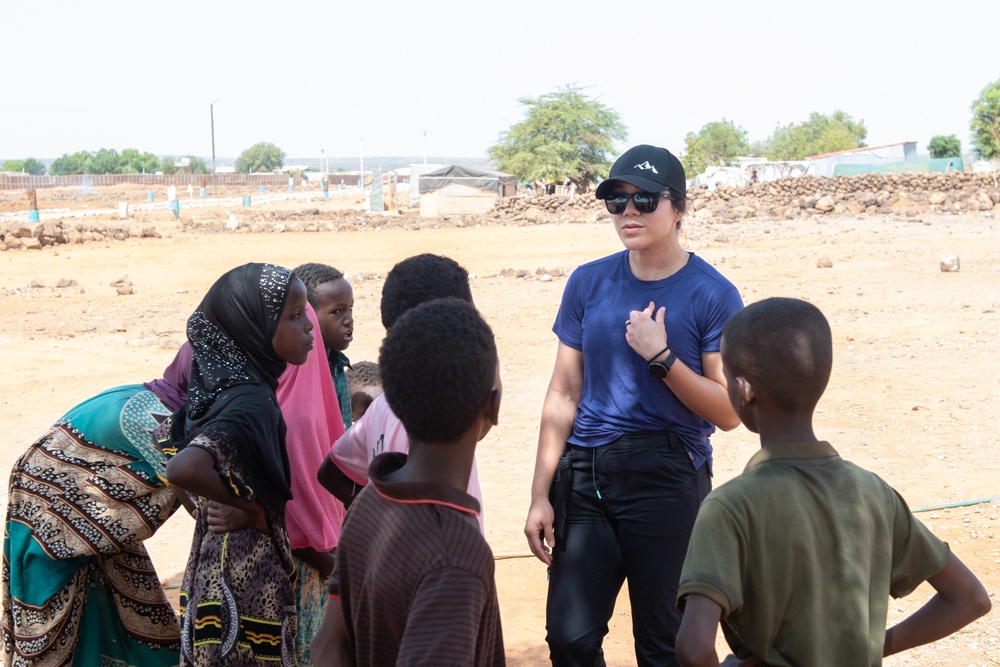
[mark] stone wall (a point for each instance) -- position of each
(905, 194)
(896, 194)
(23, 236)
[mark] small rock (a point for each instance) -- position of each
(825, 204)
(35, 284)
(125, 289)
(66, 282)
(950, 263)
(824, 263)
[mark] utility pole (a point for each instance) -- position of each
(211, 113)
(424, 132)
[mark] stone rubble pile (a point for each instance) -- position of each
(903, 194)
(24, 236)
(894, 194)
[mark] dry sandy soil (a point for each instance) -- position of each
(914, 396)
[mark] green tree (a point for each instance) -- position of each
(34, 167)
(263, 156)
(70, 164)
(942, 146)
(198, 165)
(819, 135)
(134, 162)
(104, 161)
(564, 134)
(168, 165)
(985, 123)
(717, 143)
(13, 165)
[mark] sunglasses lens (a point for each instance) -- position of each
(645, 202)
(617, 204)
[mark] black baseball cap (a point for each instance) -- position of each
(648, 167)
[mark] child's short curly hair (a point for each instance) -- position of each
(314, 275)
(421, 278)
(782, 346)
(438, 365)
(362, 374)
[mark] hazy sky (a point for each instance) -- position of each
(340, 76)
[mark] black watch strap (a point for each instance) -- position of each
(659, 369)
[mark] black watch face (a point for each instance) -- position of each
(658, 369)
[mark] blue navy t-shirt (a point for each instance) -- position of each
(619, 394)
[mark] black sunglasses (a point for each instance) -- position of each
(644, 202)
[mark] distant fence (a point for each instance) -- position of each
(28, 182)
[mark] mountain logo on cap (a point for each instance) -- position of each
(646, 166)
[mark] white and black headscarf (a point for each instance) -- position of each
(235, 368)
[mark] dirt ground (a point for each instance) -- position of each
(914, 396)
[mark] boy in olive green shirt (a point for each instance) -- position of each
(798, 556)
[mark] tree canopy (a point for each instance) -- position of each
(132, 161)
(819, 135)
(261, 157)
(198, 165)
(106, 161)
(985, 123)
(69, 164)
(13, 165)
(168, 165)
(564, 135)
(34, 166)
(942, 146)
(717, 143)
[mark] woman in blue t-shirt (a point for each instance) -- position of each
(624, 458)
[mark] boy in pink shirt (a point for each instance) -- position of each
(411, 282)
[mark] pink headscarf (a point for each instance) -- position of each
(312, 416)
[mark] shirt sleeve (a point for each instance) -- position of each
(917, 554)
(715, 564)
(568, 326)
(444, 619)
(350, 452)
(718, 313)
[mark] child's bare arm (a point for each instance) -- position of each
(193, 470)
(696, 637)
(321, 561)
(336, 482)
(960, 599)
(186, 500)
(330, 646)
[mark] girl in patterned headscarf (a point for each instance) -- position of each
(228, 445)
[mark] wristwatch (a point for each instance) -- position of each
(659, 369)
